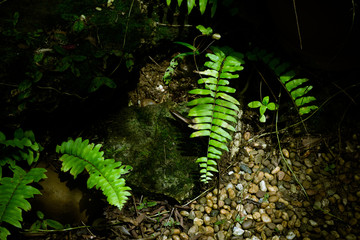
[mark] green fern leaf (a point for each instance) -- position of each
(214, 114)
(14, 192)
(202, 5)
(4, 233)
(300, 92)
(304, 100)
(190, 4)
(295, 83)
(104, 174)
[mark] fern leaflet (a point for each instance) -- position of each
(216, 110)
(105, 174)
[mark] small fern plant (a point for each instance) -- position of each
(15, 187)
(105, 174)
(294, 86)
(215, 110)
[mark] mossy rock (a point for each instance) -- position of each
(158, 148)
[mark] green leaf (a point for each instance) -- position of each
(262, 109)
(201, 92)
(218, 137)
(4, 233)
(262, 118)
(201, 126)
(168, 2)
(78, 58)
(265, 100)
(226, 89)
(201, 160)
(304, 100)
(254, 104)
(190, 5)
(220, 131)
(38, 57)
(205, 31)
(40, 215)
(287, 76)
(307, 109)
(300, 92)
(227, 104)
(295, 83)
(179, 2)
(224, 117)
(201, 101)
(272, 106)
(223, 124)
(54, 224)
(78, 26)
(187, 45)
(200, 133)
(202, 119)
(210, 168)
(282, 68)
(218, 144)
(202, 5)
(210, 80)
(201, 110)
(99, 81)
(225, 110)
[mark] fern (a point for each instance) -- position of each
(294, 86)
(22, 147)
(105, 174)
(214, 112)
(13, 194)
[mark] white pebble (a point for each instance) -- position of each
(237, 231)
(290, 235)
(229, 186)
(240, 187)
(263, 186)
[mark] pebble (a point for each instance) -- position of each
(238, 231)
(275, 170)
(265, 218)
(253, 188)
(290, 235)
(245, 168)
(247, 224)
(198, 221)
(263, 186)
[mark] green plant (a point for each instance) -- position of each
(202, 5)
(13, 194)
(215, 112)
(263, 105)
(169, 72)
(239, 219)
(146, 204)
(44, 224)
(330, 168)
(105, 174)
(286, 76)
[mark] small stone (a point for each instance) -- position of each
(184, 236)
(207, 220)
(290, 235)
(279, 205)
(231, 193)
(176, 231)
(208, 209)
(263, 186)
(247, 224)
(214, 213)
(275, 170)
(175, 237)
(269, 177)
(184, 213)
(350, 237)
(271, 225)
(202, 200)
(237, 231)
(220, 235)
(229, 186)
(280, 175)
(273, 198)
(287, 178)
(256, 215)
(209, 230)
(253, 188)
(308, 163)
(260, 194)
(239, 187)
(265, 218)
(313, 223)
(247, 136)
(245, 168)
(285, 152)
(193, 230)
(258, 177)
(198, 221)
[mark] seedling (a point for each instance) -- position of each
(265, 104)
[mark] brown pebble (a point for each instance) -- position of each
(280, 175)
(285, 152)
(175, 231)
(311, 192)
(247, 136)
(273, 198)
(184, 236)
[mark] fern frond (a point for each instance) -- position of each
(105, 174)
(294, 86)
(14, 192)
(215, 110)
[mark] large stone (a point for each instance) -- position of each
(158, 148)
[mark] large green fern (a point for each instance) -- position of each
(13, 194)
(215, 111)
(105, 174)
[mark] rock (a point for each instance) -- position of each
(249, 207)
(193, 230)
(245, 168)
(184, 236)
(260, 194)
(350, 237)
(285, 152)
(220, 235)
(263, 186)
(275, 170)
(237, 230)
(265, 218)
(280, 175)
(308, 163)
(214, 213)
(247, 224)
(253, 188)
(273, 198)
(148, 139)
(258, 177)
(290, 235)
(198, 221)
(239, 187)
